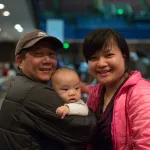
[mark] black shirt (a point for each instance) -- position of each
(103, 137)
(102, 140)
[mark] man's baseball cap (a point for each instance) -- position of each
(31, 38)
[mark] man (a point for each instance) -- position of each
(28, 117)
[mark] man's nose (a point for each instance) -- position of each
(46, 59)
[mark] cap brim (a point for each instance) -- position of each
(56, 43)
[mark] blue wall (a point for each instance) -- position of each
(84, 24)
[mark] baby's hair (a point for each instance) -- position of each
(61, 70)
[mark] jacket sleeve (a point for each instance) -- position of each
(39, 114)
(78, 108)
(139, 117)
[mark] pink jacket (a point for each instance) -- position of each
(131, 114)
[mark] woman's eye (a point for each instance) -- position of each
(109, 55)
(93, 58)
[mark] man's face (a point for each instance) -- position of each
(39, 62)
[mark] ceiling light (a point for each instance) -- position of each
(6, 13)
(20, 30)
(2, 6)
(17, 26)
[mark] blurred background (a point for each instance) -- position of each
(71, 21)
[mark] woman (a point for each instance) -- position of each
(121, 100)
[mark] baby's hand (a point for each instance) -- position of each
(62, 111)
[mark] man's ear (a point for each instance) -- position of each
(124, 56)
(19, 61)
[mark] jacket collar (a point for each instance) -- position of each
(19, 73)
(133, 78)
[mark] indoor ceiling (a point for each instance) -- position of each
(20, 13)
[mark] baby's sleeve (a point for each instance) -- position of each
(78, 108)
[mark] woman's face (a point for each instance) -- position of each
(107, 65)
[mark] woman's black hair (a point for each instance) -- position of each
(100, 38)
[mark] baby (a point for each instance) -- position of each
(66, 84)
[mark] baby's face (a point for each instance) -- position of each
(68, 88)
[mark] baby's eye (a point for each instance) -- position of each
(77, 88)
(65, 89)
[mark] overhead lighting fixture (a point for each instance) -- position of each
(20, 30)
(6, 13)
(2, 6)
(18, 27)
